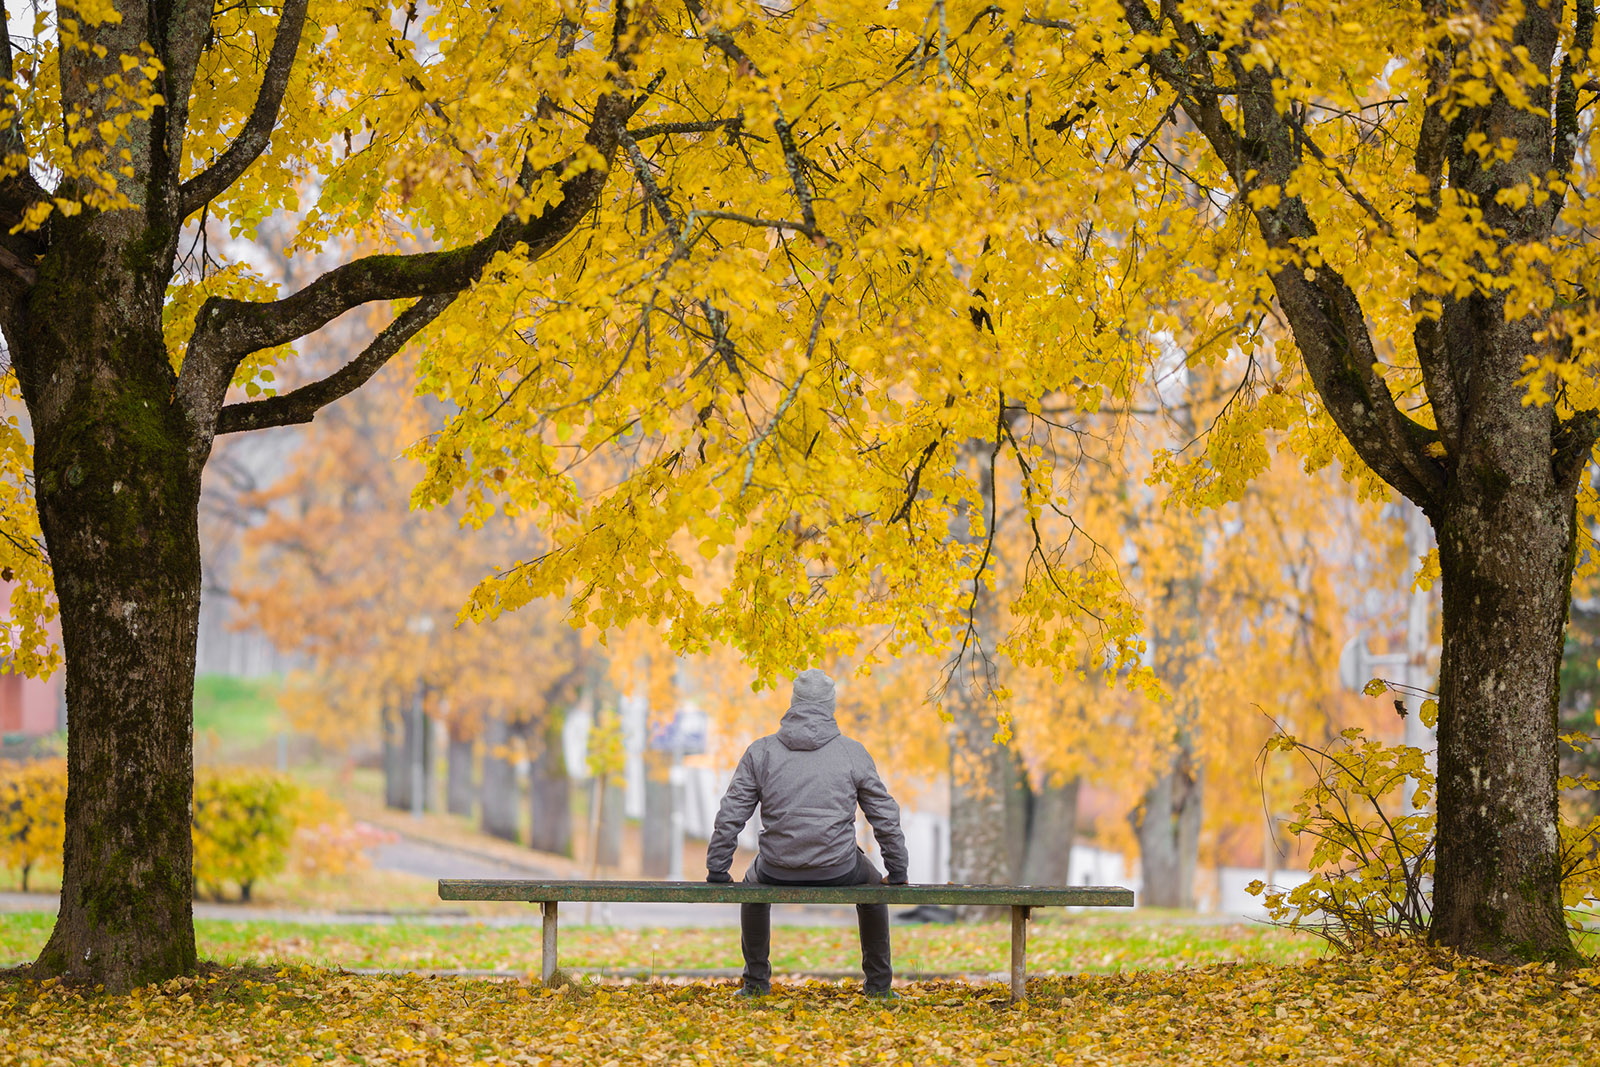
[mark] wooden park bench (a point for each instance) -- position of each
(1020, 899)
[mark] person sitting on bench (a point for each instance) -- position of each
(808, 779)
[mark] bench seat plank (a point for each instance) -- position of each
(748, 893)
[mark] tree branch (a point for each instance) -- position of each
(20, 190)
(235, 328)
(1567, 132)
(663, 129)
(1575, 438)
(1324, 314)
(7, 67)
(179, 32)
(723, 41)
(652, 192)
(227, 330)
(19, 267)
(1429, 337)
(252, 140)
(915, 481)
(300, 406)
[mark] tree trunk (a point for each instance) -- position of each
(460, 790)
(120, 438)
(612, 819)
(1053, 825)
(1495, 473)
(1167, 820)
(980, 780)
(395, 772)
(981, 776)
(1168, 828)
(418, 756)
(655, 858)
(1019, 816)
(499, 801)
(118, 485)
(1505, 557)
(550, 795)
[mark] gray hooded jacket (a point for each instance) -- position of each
(808, 779)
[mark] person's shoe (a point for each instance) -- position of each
(882, 994)
(752, 991)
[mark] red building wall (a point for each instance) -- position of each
(29, 706)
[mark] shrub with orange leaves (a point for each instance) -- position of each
(327, 842)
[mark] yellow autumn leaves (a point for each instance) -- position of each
(1399, 1009)
(33, 799)
(850, 241)
(89, 144)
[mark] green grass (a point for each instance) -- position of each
(237, 712)
(1063, 943)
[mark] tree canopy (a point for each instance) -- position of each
(797, 283)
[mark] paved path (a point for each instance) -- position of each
(427, 859)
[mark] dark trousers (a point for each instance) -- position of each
(755, 933)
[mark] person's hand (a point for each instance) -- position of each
(720, 877)
(894, 879)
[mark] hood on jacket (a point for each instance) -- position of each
(808, 724)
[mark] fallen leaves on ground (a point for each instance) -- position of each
(1395, 1010)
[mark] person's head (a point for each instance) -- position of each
(812, 687)
(808, 724)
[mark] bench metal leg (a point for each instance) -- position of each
(547, 959)
(1019, 952)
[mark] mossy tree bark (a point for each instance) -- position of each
(549, 787)
(1496, 477)
(980, 783)
(418, 774)
(117, 478)
(1019, 816)
(1505, 556)
(395, 773)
